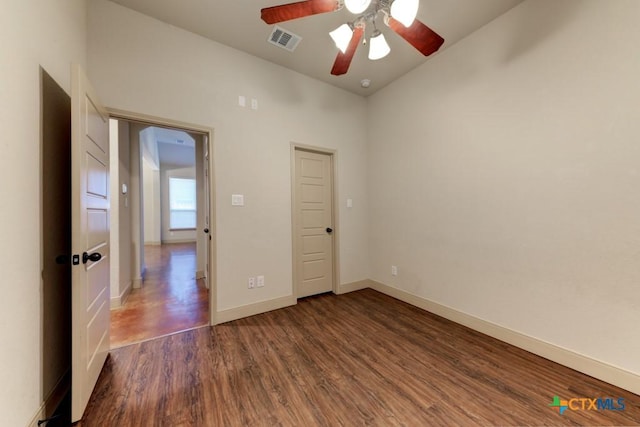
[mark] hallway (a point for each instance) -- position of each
(170, 299)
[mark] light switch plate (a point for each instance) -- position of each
(349, 203)
(237, 200)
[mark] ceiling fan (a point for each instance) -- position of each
(399, 15)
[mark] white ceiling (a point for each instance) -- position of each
(173, 148)
(237, 23)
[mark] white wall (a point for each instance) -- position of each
(139, 64)
(151, 184)
(168, 235)
(136, 203)
(506, 185)
(124, 211)
(120, 213)
(32, 33)
(114, 214)
(151, 196)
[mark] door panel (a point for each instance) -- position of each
(90, 233)
(312, 219)
(96, 177)
(314, 213)
(95, 283)
(311, 168)
(98, 228)
(95, 332)
(312, 244)
(312, 193)
(314, 270)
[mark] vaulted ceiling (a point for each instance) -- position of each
(168, 148)
(237, 23)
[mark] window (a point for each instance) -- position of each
(182, 203)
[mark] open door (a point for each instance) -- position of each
(207, 214)
(90, 240)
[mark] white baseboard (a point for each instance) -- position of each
(53, 400)
(274, 304)
(119, 300)
(253, 309)
(354, 286)
(176, 241)
(200, 274)
(137, 282)
(153, 243)
(595, 368)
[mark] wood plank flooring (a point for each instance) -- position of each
(356, 359)
(170, 300)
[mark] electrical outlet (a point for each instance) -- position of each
(394, 270)
(260, 281)
(252, 282)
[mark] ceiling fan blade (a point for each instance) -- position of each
(343, 60)
(286, 12)
(418, 35)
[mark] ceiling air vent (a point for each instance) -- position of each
(283, 38)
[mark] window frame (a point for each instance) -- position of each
(195, 202)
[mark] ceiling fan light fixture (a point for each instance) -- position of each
(405, 11)
(357, 6)
(378, 46)
(342, 36)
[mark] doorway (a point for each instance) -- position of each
(313, 222)
(164, 282)
(56, 249)
(58, 178)
(74, 218)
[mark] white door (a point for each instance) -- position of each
(90, 240)
(314, 223)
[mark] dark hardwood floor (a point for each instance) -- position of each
(356, 359)
(170, 300)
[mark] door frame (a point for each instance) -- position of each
(295, 218)
(208, 132)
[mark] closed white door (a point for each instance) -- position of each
(314, 223)
(90, 240)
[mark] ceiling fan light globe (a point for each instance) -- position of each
(378, 47)
(342, 37)
(357, 6)
(405, 11)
